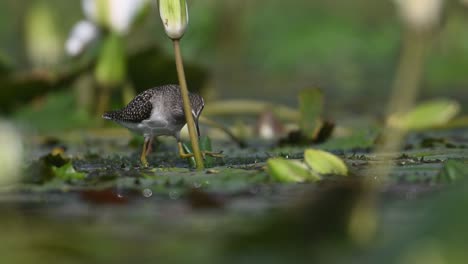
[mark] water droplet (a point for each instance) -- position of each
(207, 182)
(147, 193)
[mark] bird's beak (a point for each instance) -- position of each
(196, 124)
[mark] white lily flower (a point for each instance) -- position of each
(175, 17)
(82, 34)
(118, 15)
(11, 153)
(420, 14)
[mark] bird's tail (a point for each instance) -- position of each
(109, 115)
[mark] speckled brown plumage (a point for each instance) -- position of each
(168, 100)
(157, 112)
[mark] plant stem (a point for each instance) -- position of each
(187, 107)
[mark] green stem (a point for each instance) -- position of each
(187, 107)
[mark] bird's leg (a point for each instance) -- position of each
(182, 153)
(143, 152)
(149, 148)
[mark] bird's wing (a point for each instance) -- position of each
(139, 109)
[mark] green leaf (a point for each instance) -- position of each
(67, 172)
(188, 150)
(283, 170)
(311, 107)
(452, 171)
(323, 162)
(205, 145)
(426, 115)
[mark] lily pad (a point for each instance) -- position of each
(323, 162)
(283, 170)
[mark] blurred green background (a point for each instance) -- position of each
(266, 50)
(270, 50)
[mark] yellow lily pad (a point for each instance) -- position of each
(323, 162)
(283, 170)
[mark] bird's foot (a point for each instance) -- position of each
(184, 155)
(204, 154)
(213, 154)
(143, 160)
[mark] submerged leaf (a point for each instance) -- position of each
(323, 162)
(311, 107)
(284, 170)
(426, 115)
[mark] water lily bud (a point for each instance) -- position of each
(420, 14)
(82, 34)
(11, 153)
(174, 15)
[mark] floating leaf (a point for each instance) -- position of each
(284, 170)
(311, 107)
(426, 115)
(452, 171)
(323, 162)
